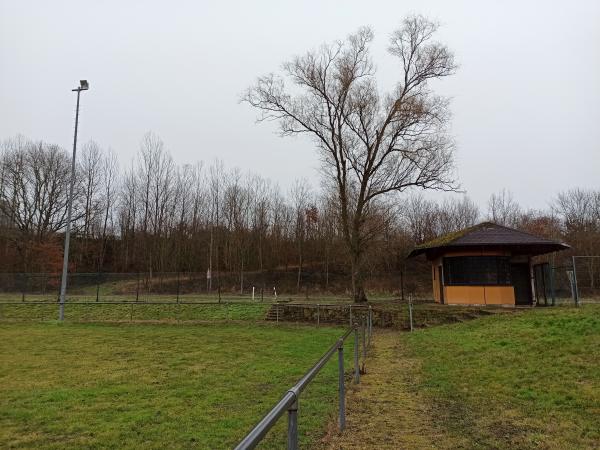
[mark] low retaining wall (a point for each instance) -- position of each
(392, 315)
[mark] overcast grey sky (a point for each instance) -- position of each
(526, 99)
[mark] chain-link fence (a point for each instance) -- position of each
(578, 282)
(268, 286)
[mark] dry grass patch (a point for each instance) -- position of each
(387, 410)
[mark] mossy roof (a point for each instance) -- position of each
(489, 234)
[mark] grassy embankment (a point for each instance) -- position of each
(527, 380)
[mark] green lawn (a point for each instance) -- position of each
(157, 386)
(529, 380)
(101, 312)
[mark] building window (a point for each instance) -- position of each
(477, 271)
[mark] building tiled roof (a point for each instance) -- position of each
(488, 234)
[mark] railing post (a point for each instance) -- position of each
(356, 367)
(342, 390)
(364, 338)
(292, 435)
(370, 324)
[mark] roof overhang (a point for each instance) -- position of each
(515, 249)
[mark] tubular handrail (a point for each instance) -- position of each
(290, 398)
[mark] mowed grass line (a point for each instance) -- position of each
(157, 386)
(529, 380)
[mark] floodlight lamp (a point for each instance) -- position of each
(83, 85)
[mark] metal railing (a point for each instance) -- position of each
(289, 402)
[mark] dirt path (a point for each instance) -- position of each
(386, 411)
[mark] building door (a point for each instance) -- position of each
(521, 282)
(441, 284)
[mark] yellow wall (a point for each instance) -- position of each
(472, 295)
(499, 295)
(467, 295)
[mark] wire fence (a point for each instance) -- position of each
(573, 283)
(185, 286)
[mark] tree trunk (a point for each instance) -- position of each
(358, 288)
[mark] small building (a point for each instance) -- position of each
(486, 264)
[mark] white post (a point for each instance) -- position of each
(252, 293)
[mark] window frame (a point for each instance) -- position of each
(499, 276)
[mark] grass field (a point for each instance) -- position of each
(156, 386)
(530, 380)
(101, 312)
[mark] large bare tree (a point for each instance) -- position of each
(370, 143)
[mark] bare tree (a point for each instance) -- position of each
(455, 214)
(579, 211)
(33, 194)
(215, 194)
(300, 196)
(370, 144)
(503, 209)
(90, 168)
(109, 179)
(419, 218)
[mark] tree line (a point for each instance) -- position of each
(155, 215)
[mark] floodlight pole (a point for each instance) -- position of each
(63, 283)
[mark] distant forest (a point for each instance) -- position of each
(158, 216)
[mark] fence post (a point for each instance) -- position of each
(552, 285)
(342, 388)
(370, 324)
(575, 288)
(318, 315)
(292, 437)
(402, 284)
(356, 367)
(97, 286)
(350, 315)
(410, 317)
(177, 286)
(137, 289)
(23, 284)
